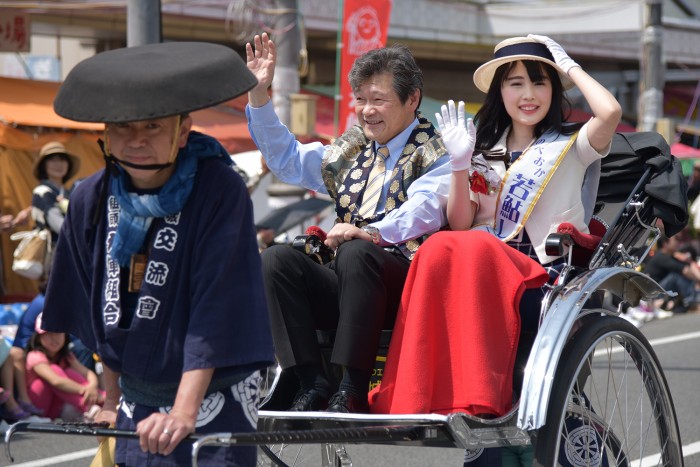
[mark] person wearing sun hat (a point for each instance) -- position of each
(160, 273)
(525, 114)
(53, 168)
(516, 175)
(55, 148)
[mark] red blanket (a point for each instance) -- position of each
(454, 343)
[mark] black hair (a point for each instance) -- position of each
(41, 169)
(396, 60)
(34, 343)
(492, 119)
(688, 248)
(663, 240)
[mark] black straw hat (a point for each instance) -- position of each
(152, 81)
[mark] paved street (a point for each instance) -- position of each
(676, 341)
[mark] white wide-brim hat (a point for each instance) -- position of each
(512, 50)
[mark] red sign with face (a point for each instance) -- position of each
(365, 27)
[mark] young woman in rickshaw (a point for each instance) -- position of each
(458, 330)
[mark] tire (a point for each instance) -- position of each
(610, 405)
(291, 455)
(277, 392)
(269, 379)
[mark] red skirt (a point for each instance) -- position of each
(456, 335)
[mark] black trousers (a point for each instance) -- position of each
(357, 295)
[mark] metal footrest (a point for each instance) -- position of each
(458, 430)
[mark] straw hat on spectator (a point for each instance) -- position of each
(51, 149)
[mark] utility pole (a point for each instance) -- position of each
(651, 96)
(143, 24)
(286, 81)
(288, 43)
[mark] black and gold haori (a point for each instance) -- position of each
(349, 159)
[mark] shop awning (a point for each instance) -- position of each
(30, 103)
(683, 151)
(688, 155)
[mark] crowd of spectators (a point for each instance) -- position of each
(46, 375)
(30, 395)
(674, 263)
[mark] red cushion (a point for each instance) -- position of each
(589, 241)
(316, 230)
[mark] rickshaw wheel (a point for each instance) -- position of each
(610, 404)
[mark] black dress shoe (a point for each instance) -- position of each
(345, 402)
(309, 401)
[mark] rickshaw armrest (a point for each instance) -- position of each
(557, 243)
(568, 236)
(312, 244)
(585, 240)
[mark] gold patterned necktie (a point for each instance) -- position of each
(375, 184)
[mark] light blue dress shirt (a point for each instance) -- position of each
(424, 212)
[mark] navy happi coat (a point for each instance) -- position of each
(202, 302)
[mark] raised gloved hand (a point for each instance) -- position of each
(459, 138)
(561, 58)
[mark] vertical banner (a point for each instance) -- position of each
(364, 27)
(14, 31)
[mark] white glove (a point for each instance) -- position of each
(561, 58)
(459, 138)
